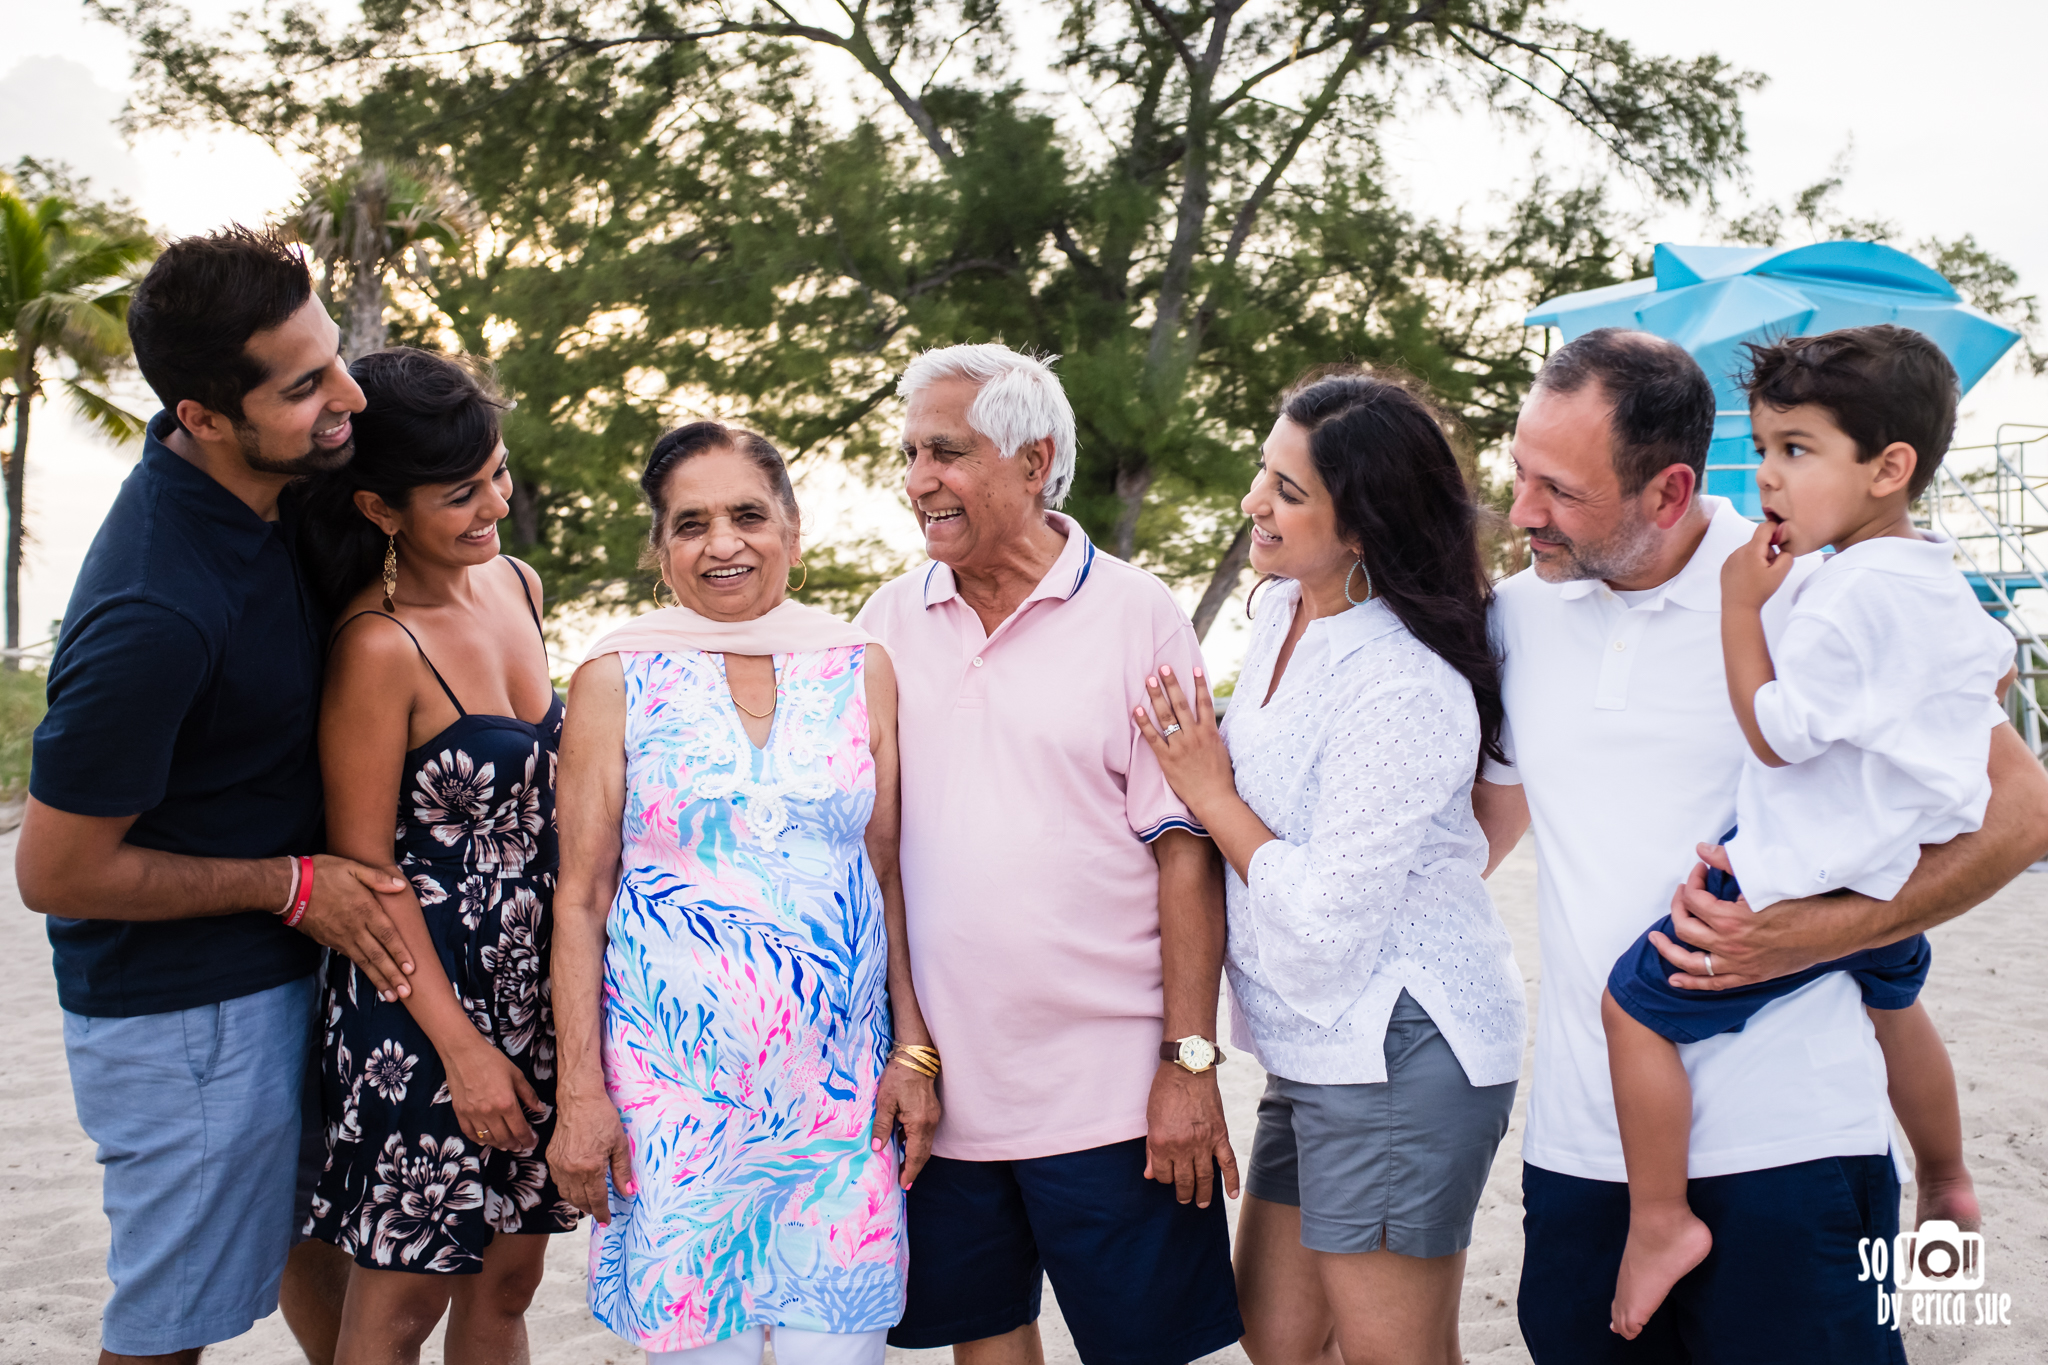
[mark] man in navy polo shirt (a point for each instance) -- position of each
(174, 794)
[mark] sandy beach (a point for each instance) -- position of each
(1991, 1007)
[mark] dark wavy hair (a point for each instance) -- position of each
(1401, 495)
(191, 318)
(1881, 384)
(699, 438)
(430, 419)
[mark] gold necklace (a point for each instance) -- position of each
(757, 715)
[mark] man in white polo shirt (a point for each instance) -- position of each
(1626, 754)
(1065, 912)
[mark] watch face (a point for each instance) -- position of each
(1197, 1054)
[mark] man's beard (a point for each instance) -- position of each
(1624, 553)
(313, 461)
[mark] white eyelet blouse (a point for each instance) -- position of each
(1362, 766)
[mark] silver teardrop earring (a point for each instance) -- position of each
(1358, 567)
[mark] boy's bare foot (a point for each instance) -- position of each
(1662, 1248)
(1947, 1194)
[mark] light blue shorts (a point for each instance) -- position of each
(196, 1113)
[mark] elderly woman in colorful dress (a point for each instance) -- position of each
(740, 1043)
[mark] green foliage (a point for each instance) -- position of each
(840, 577)
(718, 210)
(67, 262)
(369, 219)
(22, 705)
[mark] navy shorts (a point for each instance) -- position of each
(1142, 1279)
(1891, 978)
(1780, 1286)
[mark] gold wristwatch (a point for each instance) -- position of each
(1193, 1054)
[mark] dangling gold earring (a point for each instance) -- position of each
(390, 572)
(798, 586)
(659, 584)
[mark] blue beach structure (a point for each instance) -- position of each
(1711, 299)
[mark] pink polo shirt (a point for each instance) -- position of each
(1029, 804)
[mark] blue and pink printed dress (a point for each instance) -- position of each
(746, 1014)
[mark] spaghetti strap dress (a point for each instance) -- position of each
(405, 1188)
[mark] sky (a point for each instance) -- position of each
(1935, 118)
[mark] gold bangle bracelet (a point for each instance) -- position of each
(923, 1060)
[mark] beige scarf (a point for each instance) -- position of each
(791, 628)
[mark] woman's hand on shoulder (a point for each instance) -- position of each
(1184, 738)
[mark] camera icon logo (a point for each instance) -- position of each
(1940, 1256)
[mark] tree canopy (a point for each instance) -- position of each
(372, 219)
(760, 212)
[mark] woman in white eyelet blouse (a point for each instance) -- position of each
(1369, 972)
(1361, 764)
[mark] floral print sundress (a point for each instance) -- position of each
(746, 1014)
(405, 1188)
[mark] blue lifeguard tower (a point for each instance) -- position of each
(1712, 299)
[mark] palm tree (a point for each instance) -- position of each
(65, 276)
(373, 218)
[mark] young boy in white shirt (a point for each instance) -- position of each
(1869, 717)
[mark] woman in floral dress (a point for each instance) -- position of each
(740, 1037)
(439, 709)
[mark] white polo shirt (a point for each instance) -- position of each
(1621, 733)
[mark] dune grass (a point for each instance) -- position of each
(21, 708)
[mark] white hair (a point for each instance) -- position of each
(1021, 401)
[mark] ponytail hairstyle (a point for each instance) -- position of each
(1399, 493)
(429, 419)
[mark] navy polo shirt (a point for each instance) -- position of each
(185, 691)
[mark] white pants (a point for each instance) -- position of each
(792, 1347)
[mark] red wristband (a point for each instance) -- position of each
(305, 896)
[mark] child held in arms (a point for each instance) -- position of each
(1869, 712)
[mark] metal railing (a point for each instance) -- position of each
(1998, 518)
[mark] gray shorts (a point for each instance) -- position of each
(1399, 1164)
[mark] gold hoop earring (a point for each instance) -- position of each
(390, 572)
(798, 586)
(674, 599)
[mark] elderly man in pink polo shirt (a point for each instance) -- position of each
(1065, 911)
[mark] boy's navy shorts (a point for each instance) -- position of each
(1891, 978)
(1141, 1278)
